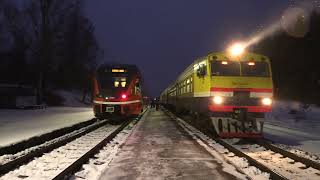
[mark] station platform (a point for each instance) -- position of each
(159, 149)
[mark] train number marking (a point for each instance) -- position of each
(109, 109)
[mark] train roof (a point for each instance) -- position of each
(247, 56)
(129, 67)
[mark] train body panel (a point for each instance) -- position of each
(117, 91)
(238, 91)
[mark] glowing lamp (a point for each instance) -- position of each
(266, 101)
(224, 62)
(123, 96)
(251, 63)
(217, 100)
(236, 49)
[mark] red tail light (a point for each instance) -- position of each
(123, 96)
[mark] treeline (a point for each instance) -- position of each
(47, 44)
(295, 63)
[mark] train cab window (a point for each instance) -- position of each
(119, 82)
(225, 68)
(260, 69)
(116, 83)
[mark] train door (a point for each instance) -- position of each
(138, 97)
(201, 85)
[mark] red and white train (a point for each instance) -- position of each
(117, 91)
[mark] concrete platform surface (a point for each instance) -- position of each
(159, 149)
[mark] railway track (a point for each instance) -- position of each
(277, 162)
(13, 159)
(38, 140)
(60, 160)
(289, 165)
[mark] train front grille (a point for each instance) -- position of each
(241, 98)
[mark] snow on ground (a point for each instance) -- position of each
(51, 164)
(19, 125)
(277, 162)
(305, 118)
(10, 157)
(157, 149)
(98, 164)
(294, 124)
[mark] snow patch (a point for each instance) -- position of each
(97, 165)
(19, 125)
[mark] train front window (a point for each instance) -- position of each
(225, 68)
(116, 84)
(259, 69)
(106, 81)
(120, 82)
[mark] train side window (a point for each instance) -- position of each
(191, 84)
(202, 71)
(137, 88)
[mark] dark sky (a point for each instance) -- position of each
(164, 36)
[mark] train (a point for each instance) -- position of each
(117, 91)
(233, 92)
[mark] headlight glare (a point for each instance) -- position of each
(217, 99)
(266, 101)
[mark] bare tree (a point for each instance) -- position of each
(56, 39)
(63, 39)
(14, 27)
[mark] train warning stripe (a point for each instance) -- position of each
(118, 102)
(242, 89)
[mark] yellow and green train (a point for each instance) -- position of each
(235, 92)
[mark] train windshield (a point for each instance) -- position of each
(225, 68)
(112, 82)
(259, 69)
(233, 68)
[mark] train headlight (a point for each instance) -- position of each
(236, 49)
(266, 101)
(217, 99)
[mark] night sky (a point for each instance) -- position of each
(164, 36)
